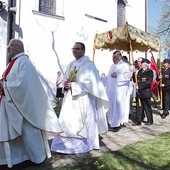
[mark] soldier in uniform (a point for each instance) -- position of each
(166, 88)
(144, 78)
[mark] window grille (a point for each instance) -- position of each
(47, 6)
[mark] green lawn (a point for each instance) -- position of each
(153, 154)
(57, 108)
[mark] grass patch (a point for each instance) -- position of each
(152, 154)
(57, 108)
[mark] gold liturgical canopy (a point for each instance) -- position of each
(121, 38)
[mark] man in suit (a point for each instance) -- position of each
(144, 78)
(166, 88)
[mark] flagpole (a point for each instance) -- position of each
(154, 85)
(146, 20)
(160, 70)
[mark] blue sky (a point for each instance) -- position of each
(154, 11)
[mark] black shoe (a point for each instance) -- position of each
(159, 107)
(144, 121)
(116, 129)
(163, 116)
(165, 113)
(136, 124)
(148, 123)
(123, 125)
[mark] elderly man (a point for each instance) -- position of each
(83, 112)
(145, 78)
(26, 112)
(117, 87)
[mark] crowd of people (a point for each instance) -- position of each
(91, 104)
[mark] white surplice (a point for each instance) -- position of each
(117, 90)
(83, 113)
(26, 115)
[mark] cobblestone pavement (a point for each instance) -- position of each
(110, 141)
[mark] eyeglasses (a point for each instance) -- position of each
(11, 45)
(76, 49)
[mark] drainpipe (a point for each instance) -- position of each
(10, 19)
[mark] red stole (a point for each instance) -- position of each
(4, 75)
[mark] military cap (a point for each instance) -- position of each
(166, 61)
(145, 61)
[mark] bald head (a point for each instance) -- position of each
(15, 47)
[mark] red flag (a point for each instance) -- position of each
(153, 65)
(154, 68)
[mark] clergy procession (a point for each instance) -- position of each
(29, 126)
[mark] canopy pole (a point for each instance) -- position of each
(93, 54)
(94, 47)
(136, 81)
